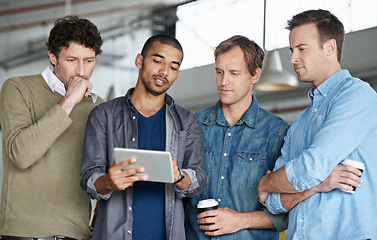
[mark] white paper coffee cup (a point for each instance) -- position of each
(355, 164)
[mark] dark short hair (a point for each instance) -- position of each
(72, 29)
(328, 25)
(164, 39)
(253, 53)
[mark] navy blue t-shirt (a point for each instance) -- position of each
(149, 197)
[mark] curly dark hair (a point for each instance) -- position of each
(72, 29)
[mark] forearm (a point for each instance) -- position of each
(188, 187)
(290, 200)
(254, 220)
(102, 185)
(185, 183)
(276, 182)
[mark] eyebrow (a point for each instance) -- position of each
(300, 45)
(297, 46)
(70, 56)
(160, 56)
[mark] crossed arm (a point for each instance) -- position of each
(342, 177)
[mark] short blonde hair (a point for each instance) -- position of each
(253, 54)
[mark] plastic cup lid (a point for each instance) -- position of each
(207, 203)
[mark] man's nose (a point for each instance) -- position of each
(294, 58)
(80, 69)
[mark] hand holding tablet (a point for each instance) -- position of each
(157, 164)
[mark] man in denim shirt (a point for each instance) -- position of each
(340, 123)
(146, 118)
(241, 141)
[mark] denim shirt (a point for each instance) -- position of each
(236, 157)
(340, 123)
(114, 124)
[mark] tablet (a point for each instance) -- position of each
(157, 164)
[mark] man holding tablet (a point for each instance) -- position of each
(131, 207)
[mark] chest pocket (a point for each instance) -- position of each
(249, 168)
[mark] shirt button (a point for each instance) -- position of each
(129, 231)
(133, 139)
(300, 220)
(325, 95)
(219, 200)
(251, 159)
(133, 117)
(225, 154)
(315, 109)
(130, 208)
(229, 134)
(222, 177)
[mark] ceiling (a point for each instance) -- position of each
(25, 24)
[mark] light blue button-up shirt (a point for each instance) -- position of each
(340, 123)
(236, 157)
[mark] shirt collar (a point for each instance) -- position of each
(329, 84)
(249, 117)
(56, 85)
(168, 99)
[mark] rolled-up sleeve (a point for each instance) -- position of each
(193, 162)
(95, 160)
(274, 205)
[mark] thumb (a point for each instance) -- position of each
(113, 164)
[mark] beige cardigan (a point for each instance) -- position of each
(42, 154)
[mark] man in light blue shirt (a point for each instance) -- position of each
(340, 123)
(241, 141)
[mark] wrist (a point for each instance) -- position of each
(181, 177)
(67, 105)
(261, 184)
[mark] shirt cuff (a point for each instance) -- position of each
(274, 205)
(194, 183)
(93, 192)
(300, 180)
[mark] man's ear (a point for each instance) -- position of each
(255, 78)
(139, 61)
(53, 58)
(330, 47)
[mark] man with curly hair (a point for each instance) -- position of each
(43, 118)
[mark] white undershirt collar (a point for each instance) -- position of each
(56, 85)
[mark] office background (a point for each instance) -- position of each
(199, 25)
